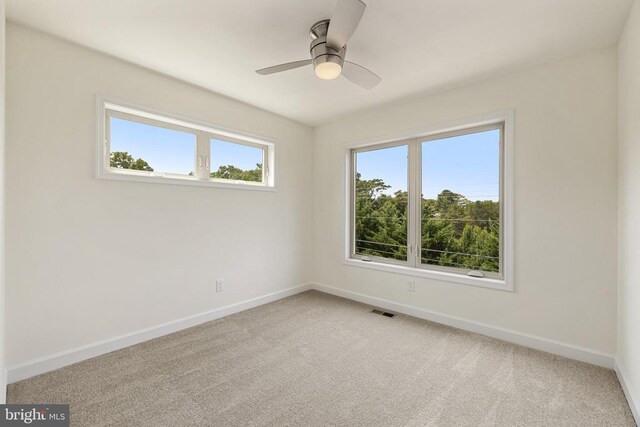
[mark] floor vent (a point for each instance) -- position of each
(383, 313)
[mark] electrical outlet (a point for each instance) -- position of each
(219, 285)
(411, 286)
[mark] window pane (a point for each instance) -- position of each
(381, 203)
(461, 201)
(137, 146)
(236, 161)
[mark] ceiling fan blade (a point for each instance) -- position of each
(360, 75)
(283, 67)
(344, 21)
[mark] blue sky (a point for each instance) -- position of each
(172, 151)
(467, 164)
(165, 150)
(388, 164)
(227, 153)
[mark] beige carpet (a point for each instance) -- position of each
(314, 359)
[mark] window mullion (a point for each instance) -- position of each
(203, 161)
(417, 202)
(353, 162)
(266, 169)
(106, 143)
(412, 217)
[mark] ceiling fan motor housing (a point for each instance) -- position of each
(319, 50)
(328, 47)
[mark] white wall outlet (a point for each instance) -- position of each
(411, 286)
(219, 285)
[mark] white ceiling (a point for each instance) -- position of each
(416, 46)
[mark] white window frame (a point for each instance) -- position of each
(107, 108)
(413, 266)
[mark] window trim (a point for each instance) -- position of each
(506, 118)
(352, 219)
(107, 107)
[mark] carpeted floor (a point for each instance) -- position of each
(314, 359)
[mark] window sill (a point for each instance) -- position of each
(500, 284)
(119, 176)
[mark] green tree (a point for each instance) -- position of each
(381, 227)
(455, 231)
(235, 173)
(124, 160)
(448, 199)
(459, 233)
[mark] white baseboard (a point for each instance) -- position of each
(550, 346)
(634, 403)
(59, 360)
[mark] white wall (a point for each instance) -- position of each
(629, 205)
(3, 378)
(564, 201)
(89, 259)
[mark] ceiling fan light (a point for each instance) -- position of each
(328, 70)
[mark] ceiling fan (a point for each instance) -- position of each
(328, 48)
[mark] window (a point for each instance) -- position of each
(142, 146)
(460, 212)
(236, 161)
(380, 202)
(434, 206)
(138, 146)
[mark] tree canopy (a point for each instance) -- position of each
(124, 160)
(235, 173)
(456, 232)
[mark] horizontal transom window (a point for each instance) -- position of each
(141, 146)
(433, 204)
